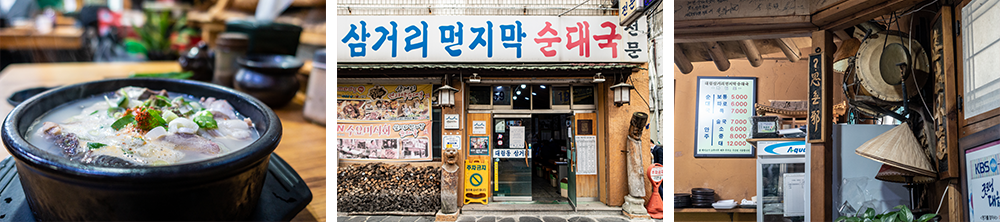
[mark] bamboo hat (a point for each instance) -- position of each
(893, 174)
(898, 148)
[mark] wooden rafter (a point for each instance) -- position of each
(682, 61)
(718, 56)
(750, 50)
(790, 49)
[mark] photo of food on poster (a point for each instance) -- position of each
(391, 140)
(364, 102)
(384, 122)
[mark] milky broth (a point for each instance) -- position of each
(89, 120)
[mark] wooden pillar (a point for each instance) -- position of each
(821, 162)
(459, 108)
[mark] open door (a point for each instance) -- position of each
(571, 155)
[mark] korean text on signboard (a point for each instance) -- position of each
(384, 122)
(815, 129)
(982, 174)
(725, 105)
(489, 39)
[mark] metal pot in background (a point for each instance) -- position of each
(199, 61)
(229, 47)
(315, 107)
(269, 78)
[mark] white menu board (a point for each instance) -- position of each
(982, 175)
(725, 105)
(586, 155)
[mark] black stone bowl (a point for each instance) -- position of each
(22, 95)
(223, 188)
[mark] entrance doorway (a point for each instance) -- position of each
(530, 156)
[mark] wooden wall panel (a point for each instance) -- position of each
(489, 132)
(587, 185)
(732, 178)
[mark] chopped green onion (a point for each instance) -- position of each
(204, 120)
(122, 122)
(94, 112)
(95, 145)
(123, 101)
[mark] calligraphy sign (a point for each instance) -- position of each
(816, 99)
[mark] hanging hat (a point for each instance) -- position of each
(876, 65)
(898, 148)
(892, 174)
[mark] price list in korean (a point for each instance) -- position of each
(725, 105)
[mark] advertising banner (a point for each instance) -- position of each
(982, 173)
(519, 39)
(384, 122)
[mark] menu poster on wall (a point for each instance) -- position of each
(724, 108)
(586, 155)
(517, 137)
(982, 175)
(384, 122)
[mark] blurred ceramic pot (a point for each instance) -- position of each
(269, 78)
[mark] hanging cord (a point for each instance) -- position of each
(938, 212)
(640, 94)
(913, 70)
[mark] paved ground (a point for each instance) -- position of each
(491, 219)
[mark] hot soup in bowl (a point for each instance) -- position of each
(176, 146)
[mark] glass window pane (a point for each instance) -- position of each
(521, 96)
(583, 95)
(540, 96)
(560, 95)
(479, 95)
(501, 95)
(436, 133)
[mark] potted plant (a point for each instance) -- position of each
(902, 215)
(155, 35)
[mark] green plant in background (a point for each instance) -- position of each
(155, 34)
(903, 215)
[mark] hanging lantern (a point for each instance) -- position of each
(446, 96)
(622, 91)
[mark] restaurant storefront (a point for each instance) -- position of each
(524, 101)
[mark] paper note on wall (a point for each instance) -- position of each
(517, 137)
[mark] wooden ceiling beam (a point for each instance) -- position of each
(681, 60)
(790, 49)
(750, 50)
(718, 56)
(743, 35)
(852, 12)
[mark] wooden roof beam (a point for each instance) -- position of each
(718, 56)
(682, 61)
(852, 12)
(750, 50)
(790, 49)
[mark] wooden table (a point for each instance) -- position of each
(62, 37)
(303, 144)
